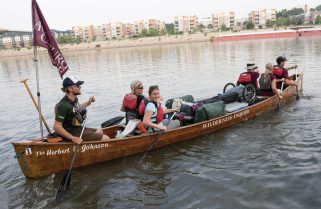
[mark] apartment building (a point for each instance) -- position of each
(260, 17)
(107, 31)
(78, 32)
(15, 39)
(140, 25)
(89, 33)
(58, 33)
(185, 23)
(156, 24)
(224, 18)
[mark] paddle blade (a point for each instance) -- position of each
(113, 121)
(64, 186)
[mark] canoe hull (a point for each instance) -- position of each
(38, 159)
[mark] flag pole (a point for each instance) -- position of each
(35, 53)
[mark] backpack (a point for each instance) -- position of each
(265, 85)
(245, 78)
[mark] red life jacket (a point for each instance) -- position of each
(245, 78)
(130, 102)
(278, 71)
(160, 110)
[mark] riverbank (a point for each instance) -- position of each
(138, 42)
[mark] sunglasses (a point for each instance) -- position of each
(140, 87)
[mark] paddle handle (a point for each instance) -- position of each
(85, 122)
(24, 81)
(282, 87)
(172, 116)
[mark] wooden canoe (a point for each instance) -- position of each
(38, 158)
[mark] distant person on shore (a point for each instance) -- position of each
(132, 101)
(250, 76)
(70, 115)
(154, 113)
(268, 82)
(282, 72)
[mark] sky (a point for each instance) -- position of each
(64, 14)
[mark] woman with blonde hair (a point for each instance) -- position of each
(268, 82)
(132, 100)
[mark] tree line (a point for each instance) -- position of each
(294, 16)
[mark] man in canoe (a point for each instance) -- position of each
(70, 115)
(282, 72)
(250, 76)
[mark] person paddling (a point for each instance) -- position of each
(154, 113)
(70, 115)
(282, 72)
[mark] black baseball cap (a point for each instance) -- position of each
(70, 81)
(281, 59)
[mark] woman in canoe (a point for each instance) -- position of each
(268, 82)
(132, 101)
(154, 113)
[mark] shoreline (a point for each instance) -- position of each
(139, 42)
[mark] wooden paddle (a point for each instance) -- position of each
(281, 94)
(153, 144)
(35, 103)
(297, 87)
(65, 183)
(113, 121)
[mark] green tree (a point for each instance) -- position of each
(143, 33)
(318, 8)
(249, 25)
(65, 40)
(153, 32)
(270, 23)
(223, 27)
(170, 28)
(295, 11)
(297, 20)
(282, 22)
(200, 27)
(284, 13)
(318, 20)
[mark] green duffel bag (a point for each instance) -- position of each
(186, 98)
(209, 111)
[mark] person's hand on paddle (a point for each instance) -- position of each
(294, 66)
(91, 99)
(76, 139)
(162, 128)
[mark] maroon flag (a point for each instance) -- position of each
(42, 36)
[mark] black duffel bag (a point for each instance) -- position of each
(229, 97)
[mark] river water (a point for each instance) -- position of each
(271, 161)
